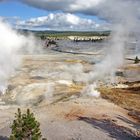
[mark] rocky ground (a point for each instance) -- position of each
(51, 85)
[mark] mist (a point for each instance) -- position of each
(12, 45)
(124, 18)
(122, 15)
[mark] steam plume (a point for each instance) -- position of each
(123, 15)
(10, 44)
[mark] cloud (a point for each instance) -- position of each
(62, 21)
(67, 6)
(113, 11)
(124, 15)
(108, 9)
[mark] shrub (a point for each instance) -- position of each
(25, 127)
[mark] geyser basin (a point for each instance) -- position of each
(49, 78)
(49, 85)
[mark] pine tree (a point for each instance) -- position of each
(136, 60)
(25, 127)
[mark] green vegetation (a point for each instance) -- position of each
(62, 34)
(25, 127)
(70, 33)
(136, 61)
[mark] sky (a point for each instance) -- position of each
(21, 15)
(16, 9)
(85, 15)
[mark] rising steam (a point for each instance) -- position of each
(122, 15)
(11, 42)
(124, 22)
(91, 90)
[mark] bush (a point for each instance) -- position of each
(25, 127)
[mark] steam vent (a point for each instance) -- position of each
(69, 70)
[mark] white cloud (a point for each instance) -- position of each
(61, 21)
(108, 9)
(82, 4)
(114, 11)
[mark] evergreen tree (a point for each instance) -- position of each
(136, 60)
(25, 127)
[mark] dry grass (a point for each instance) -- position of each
(128, 98)
(74, 61)
(66, 95)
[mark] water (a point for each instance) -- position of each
(81, 46)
